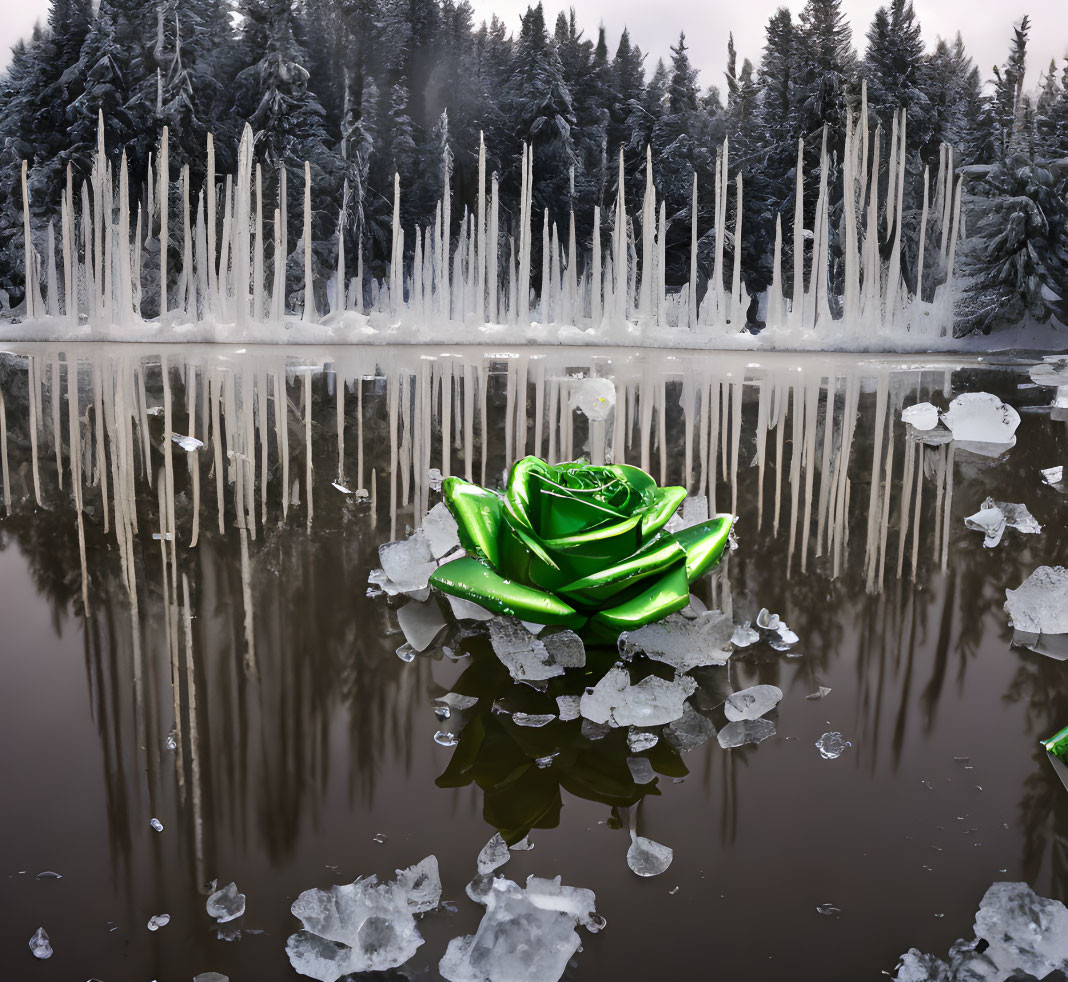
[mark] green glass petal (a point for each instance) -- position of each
(704, 544)
(666, 503)
(653, 560)
(586, 553)
(1057, 745)
(666, 596)
(478, 516)
(524, 559)
(522, 492)
(469, 579)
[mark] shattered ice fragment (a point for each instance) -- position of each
(528, 658)
(820, 692)
(362, 926)
(832, 745)
(464, 610)
(595, 731)
(594, 397)
(526, 933)
(744, 636)
(446, 739)
(994, 517)
(211, 977)
(651, 702)
(226, 904)
(923, 416)
(532, 719)
(494, 855)
(434, 478)
(648, 858)
(689, 731)
(1040, 604)
(752, 703)
(641, 771)
(187, 443)
(980, 417)
(1053, 476)
(446, 705)
(156, 921)
(523, 845)
(828, 910)
(639, 740)
(341, 487)
(786, 636)
(569, 707)
(693, 511)
(421, 623)
(1018, 934)
(407, 564)
(683, 643)
(40, 945)
(156, 824)
(440, 530)
(767, 621)
(741, 732)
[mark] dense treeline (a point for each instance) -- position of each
(366, 88)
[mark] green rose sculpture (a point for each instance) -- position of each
(577, 545)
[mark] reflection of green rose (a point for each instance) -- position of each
(577, 545)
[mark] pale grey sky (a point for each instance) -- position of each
(985, 25)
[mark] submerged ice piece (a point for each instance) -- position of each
(832, 745)
(981, 418)
(752, 703)
(1021, 933)
(648, 858)
(226, 904)
(40, 945)
(363, 926)
(1040, 604)
(526, 934)
(650, 702)
(534, 659)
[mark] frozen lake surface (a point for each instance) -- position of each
(226, 674)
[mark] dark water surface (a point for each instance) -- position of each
(299, 736)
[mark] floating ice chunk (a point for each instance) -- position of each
(651, 702)
(640, 769)
(1024, 934)
(828, 910)
(226, 904)
(979, 417)
(648, 858)
(532, 627)
(494, 855)
(994, 517)
(745, 731)
(832, 745)
(528, 658)
(406, 563)
(211, 977)
(434, 478)
(526, 934)
(752, 703)
(523, 845)
(1040, 604)
(569, 707)
(421, 884)
(744, 636)
(532, 719)
(363, 926)
(440, 530)
(923, 416)
(156, 921)
(444, 738)
(40, 945)
(689, 731)
(683, 643)
(820, 692)
(156, 824)
(786, 637)
(187, 443)
(1053, 476)
(464, 610)
(594, 396)
(639, 740)
(421, 623)
(767, 621)
(1051, 371)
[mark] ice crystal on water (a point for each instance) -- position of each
(979, 417)
(40, 945)
(362, 926)
(531, 659)
(406, 564)
(421, 623)
(648, 858)
(641, 771)
(494, 855)
(156, 921)
(526, 933)
(689, 731)
(831, 745)
(226, 904)
(923, 416)
(994, 517)
(639, 740)
(752, 703)
(532, 719)
(683, 643)
(464, 610)
(440, 530)
(650, 702)
(156, 824)
(569, 707)
(744, 635)
(1040, 604)
(211, 977)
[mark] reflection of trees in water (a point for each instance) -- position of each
(319, 642)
